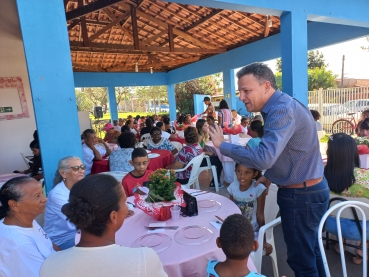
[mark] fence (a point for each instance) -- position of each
(333, 104)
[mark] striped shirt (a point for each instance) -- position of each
(289, 149)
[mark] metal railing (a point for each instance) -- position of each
(333, 104)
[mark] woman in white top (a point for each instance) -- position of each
(156, 141)
(60, 230)
(97, 207)
(23, 243)
(93, 148)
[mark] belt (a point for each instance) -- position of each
(308, 183)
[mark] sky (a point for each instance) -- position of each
(356, 59)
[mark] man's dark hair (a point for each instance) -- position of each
(159, 124)
(260, 71)
(91, 200)
(244, 119)
(127, 140)
(364, 125)
(236, 237)
(315, 114)
(139, 153)
(125, 128)
(34, 144)
(87, 132)
(166, 120)
(149, 122)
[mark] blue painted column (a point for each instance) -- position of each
(112, 103)
(294, 54)
(172, 102)
(47, 52)
(229, 88)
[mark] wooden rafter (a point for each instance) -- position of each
(136, 42)
(175, 30)
(121, 48)
(86, 41)
(266, 27)
(112, 17)
(126, 20)
(154, 37)
(109, 26)
(92, 7)
(242, 26)
(73, 24)
(171, 38)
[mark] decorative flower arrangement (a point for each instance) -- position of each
(180, 127)
(362, 141)
(161, 185)
(362, 145)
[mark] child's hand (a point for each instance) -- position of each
(268, 248)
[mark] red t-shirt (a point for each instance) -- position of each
(129, 182)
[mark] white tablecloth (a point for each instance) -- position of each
(227, 162)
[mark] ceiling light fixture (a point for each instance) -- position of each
(151, 70)
(136, 67)
(270, 22)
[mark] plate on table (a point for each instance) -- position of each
(157, 242)
(208, 205)
(153, 155)
(193, 235)
(148, 151)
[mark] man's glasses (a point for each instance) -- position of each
(78, 167)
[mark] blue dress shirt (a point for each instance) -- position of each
(289, 149)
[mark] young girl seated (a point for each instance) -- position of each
(250, 199)
(256, 131)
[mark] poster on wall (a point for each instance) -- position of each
(13, 104)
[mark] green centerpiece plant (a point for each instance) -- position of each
(161, 185)
(362, 141)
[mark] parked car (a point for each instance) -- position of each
(164, 108)
(355, 106)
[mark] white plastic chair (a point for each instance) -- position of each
(119, 175)
(145, 137)
(213, 170)
(271, 210)
(195, 163)
(340, 207)
(177, 145)
(27, 159)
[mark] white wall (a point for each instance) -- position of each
(15, 135)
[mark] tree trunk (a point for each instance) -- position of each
(159, 105)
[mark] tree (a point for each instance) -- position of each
(317, 78)
(121, 94)
(315, 59)
(83, 101)
(205, 85)
(98, 96)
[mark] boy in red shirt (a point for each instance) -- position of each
(140, 174)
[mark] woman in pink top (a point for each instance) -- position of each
(224, 114)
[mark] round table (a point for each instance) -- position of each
(227, 162)
(166, 158)
(178, 139)
(181, 260)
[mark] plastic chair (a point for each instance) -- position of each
(270, 213)
(195, 163)
(177, 145)
(145, 137)
(213, 170)
(340, 207)
(27, 159)
(119, 175)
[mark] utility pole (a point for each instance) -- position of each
(343, 70)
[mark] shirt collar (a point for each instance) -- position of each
(277, 93)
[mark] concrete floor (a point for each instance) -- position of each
(284, 270)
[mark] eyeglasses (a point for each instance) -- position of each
(78, 167)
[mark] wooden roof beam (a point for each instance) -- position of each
(121, 48)
(109, 26)
(171, 38)
(136, 42)
(242, 26)
(154, 37)
(112, 17)
(73, 24)
(175, 30)
(86, 41)
(266, 27)
(92, 7)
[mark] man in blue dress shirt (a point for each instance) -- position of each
(290, 153)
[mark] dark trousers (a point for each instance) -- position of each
(301, 211)
(214, 160)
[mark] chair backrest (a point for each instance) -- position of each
(145, 136)
(26, 159)
(271, 208)
(177, 145)
(360, 207)
(195, 164)
(347, 213)
(119, 175)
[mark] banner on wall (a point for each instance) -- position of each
(13, 100)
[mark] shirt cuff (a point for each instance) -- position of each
(226, 149)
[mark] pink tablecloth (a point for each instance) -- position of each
(178, 139)
(180, 260)
(165, 159)
(6, 177)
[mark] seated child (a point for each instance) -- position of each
(237, 241)
(256, 131)
(139, 174)
(250, 199)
